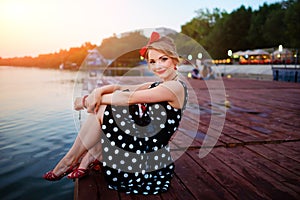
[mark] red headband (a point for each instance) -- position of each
(154, 37)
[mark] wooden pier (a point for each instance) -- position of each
(256, 156)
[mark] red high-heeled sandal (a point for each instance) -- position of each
(50, 176)
(80, 172)
(95, 165)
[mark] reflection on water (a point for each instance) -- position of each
(36, 130)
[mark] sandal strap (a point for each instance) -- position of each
(52, 177)
(78, 173)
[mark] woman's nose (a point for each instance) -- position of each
(157, 65)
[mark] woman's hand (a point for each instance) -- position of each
(93, 101)
(78, 103)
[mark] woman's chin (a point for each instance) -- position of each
(161, 76)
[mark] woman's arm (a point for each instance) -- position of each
(93, 101)
(142, 86)
(111, 88)
(171, 92)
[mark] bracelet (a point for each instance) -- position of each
(83, 100)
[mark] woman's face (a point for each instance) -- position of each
(161, 64)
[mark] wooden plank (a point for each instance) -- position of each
(252, 96)
(253, 110)
(199, 132)
(267, 177)
(263, 123)
(242, 133)
(206, 123)
(125, 196)
(235, 184)
(241, 102)
(272, 130)
(254, 84)
(177, 191)
(294, 148)
(198, 181)
(292, 94)
(278, 158)
(93, 187)
(258, 112)
(248, 93)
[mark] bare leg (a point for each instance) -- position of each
(88, 136)
(94, 153)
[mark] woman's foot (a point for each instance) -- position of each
(62, 169)
(78, 173)
(51, 176)
(87, 163)
(81, 172)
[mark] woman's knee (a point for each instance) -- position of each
(100, 113)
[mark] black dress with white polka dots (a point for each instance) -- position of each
(136, 154)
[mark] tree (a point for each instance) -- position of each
(255, 34)
(237, 27)
(274, 29)
(230, 32)
(291, 19)
(113, 47)
(200, 26)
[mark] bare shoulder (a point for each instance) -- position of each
(175, 87)
(177, 90)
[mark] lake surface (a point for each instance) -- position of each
(37, 127)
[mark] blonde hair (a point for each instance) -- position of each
(166, 46)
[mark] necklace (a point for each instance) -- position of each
(175, 77)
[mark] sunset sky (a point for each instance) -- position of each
(32, 27)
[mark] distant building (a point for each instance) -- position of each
(257, 56)
(95, 59)
(285, 56)
(267, 56)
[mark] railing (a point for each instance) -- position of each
(287, 74)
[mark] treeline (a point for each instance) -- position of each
(74, 55)
(125, 48)
(268, 27)
(217, 31)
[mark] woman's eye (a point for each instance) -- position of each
(164, 59)
(152, 62)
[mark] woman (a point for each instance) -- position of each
(137, 122)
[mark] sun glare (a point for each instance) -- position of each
(14, 10)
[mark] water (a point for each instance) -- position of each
(37, 127)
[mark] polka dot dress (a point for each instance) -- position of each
(136, 154)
